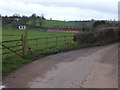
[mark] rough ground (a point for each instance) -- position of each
(95, 67)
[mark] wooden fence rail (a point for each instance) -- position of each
(22, 46)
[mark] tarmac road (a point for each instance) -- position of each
(95, 67)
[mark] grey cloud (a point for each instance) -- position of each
(101, 7)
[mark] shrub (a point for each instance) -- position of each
(84, 37)
(107, 35)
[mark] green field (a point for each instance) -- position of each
(13, 61)
(12, 34)
(45, 39)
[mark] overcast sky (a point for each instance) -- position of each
(62, 9)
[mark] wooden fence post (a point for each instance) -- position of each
(25, 43)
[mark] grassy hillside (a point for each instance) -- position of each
(49, 23)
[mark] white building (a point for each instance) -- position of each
(22, 27)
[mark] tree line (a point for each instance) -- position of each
(31, 21)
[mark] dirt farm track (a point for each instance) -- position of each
(95, 67)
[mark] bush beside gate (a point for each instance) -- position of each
(104, 36)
